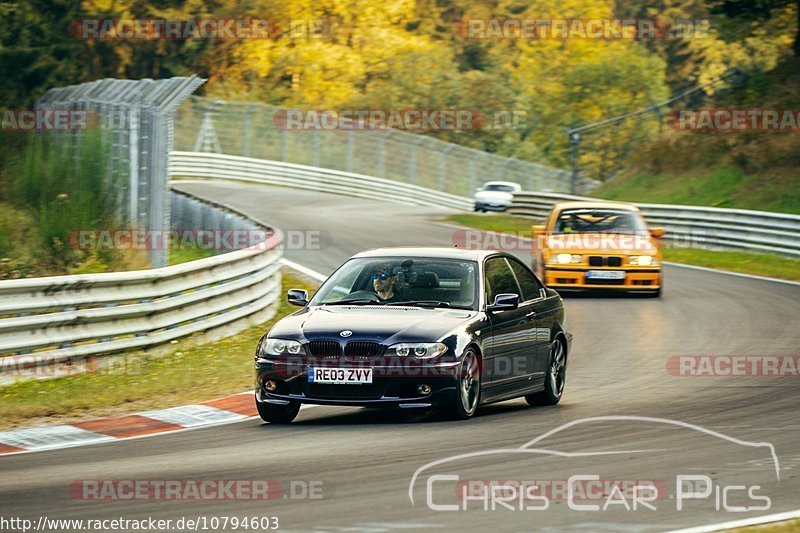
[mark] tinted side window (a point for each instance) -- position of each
(499, 278)
(527, 282)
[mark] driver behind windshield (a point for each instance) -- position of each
(384, 282)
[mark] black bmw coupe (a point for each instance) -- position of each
(417, 328)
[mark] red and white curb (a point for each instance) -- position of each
(226, 410)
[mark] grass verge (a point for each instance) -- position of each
(791, 526)
(184, 255)
(192, 373)
(725, 186)
(770, 265)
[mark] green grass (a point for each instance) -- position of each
(494, 222)
(191, 374)
(184, 255)
(725, 186)
(769, 265)
(789, 526)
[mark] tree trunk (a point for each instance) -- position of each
(796, 46)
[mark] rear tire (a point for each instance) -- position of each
(278, 414)
(468, 393)
(555, 379)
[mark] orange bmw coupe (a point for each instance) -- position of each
(598, 245)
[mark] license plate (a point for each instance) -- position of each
(340, 376)
(605, 274)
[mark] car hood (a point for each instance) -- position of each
(372, 323)
(494, 196)
(588, 243)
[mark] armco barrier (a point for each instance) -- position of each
(229, 167)
(712, 227)
(47, 322)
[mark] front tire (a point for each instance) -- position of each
(468, 391)
(278, 414)
(556, 377)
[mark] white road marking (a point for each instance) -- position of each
(49, 437)
(304, 270)
(193, 415)
(755, 521)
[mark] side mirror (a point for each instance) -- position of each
(504, 302)
(479, 189)
(538, 229)
(657, 232)
(297, 297)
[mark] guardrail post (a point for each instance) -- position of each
(412, 159)
(315, 148)
(246, 132)
(382, 153)
(133, 180)
(473, 172)
(443, 167)
(351, 146)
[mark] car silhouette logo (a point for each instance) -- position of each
(346, 333)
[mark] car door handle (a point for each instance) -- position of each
(531, 315)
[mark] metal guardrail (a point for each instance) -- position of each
(697, 226)
(63, 319)
(228, 167)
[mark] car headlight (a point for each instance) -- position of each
(274, 347)
(419, 350)
(642, 260)
(564, 259)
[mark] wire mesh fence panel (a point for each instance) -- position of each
(135, 118)
(262, 131)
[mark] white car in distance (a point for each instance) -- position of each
(495, 195)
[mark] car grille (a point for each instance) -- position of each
(363, 349)
(345, 392)
(324, 348)
(605, 281)
(598, 261)
(355, 350)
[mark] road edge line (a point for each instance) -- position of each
(745, 522)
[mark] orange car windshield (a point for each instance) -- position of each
(598, 221)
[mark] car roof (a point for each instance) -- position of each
(441, 252)
(515, 184)
(599, 204)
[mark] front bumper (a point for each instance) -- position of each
(636, 279)
(391, 386)
(490, 207)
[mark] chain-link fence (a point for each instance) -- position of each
(252, 130)
(135, 118)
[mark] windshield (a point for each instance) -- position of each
(499, 187)
(599, 221)
(425, 282)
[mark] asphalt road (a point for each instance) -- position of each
(365, 459)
